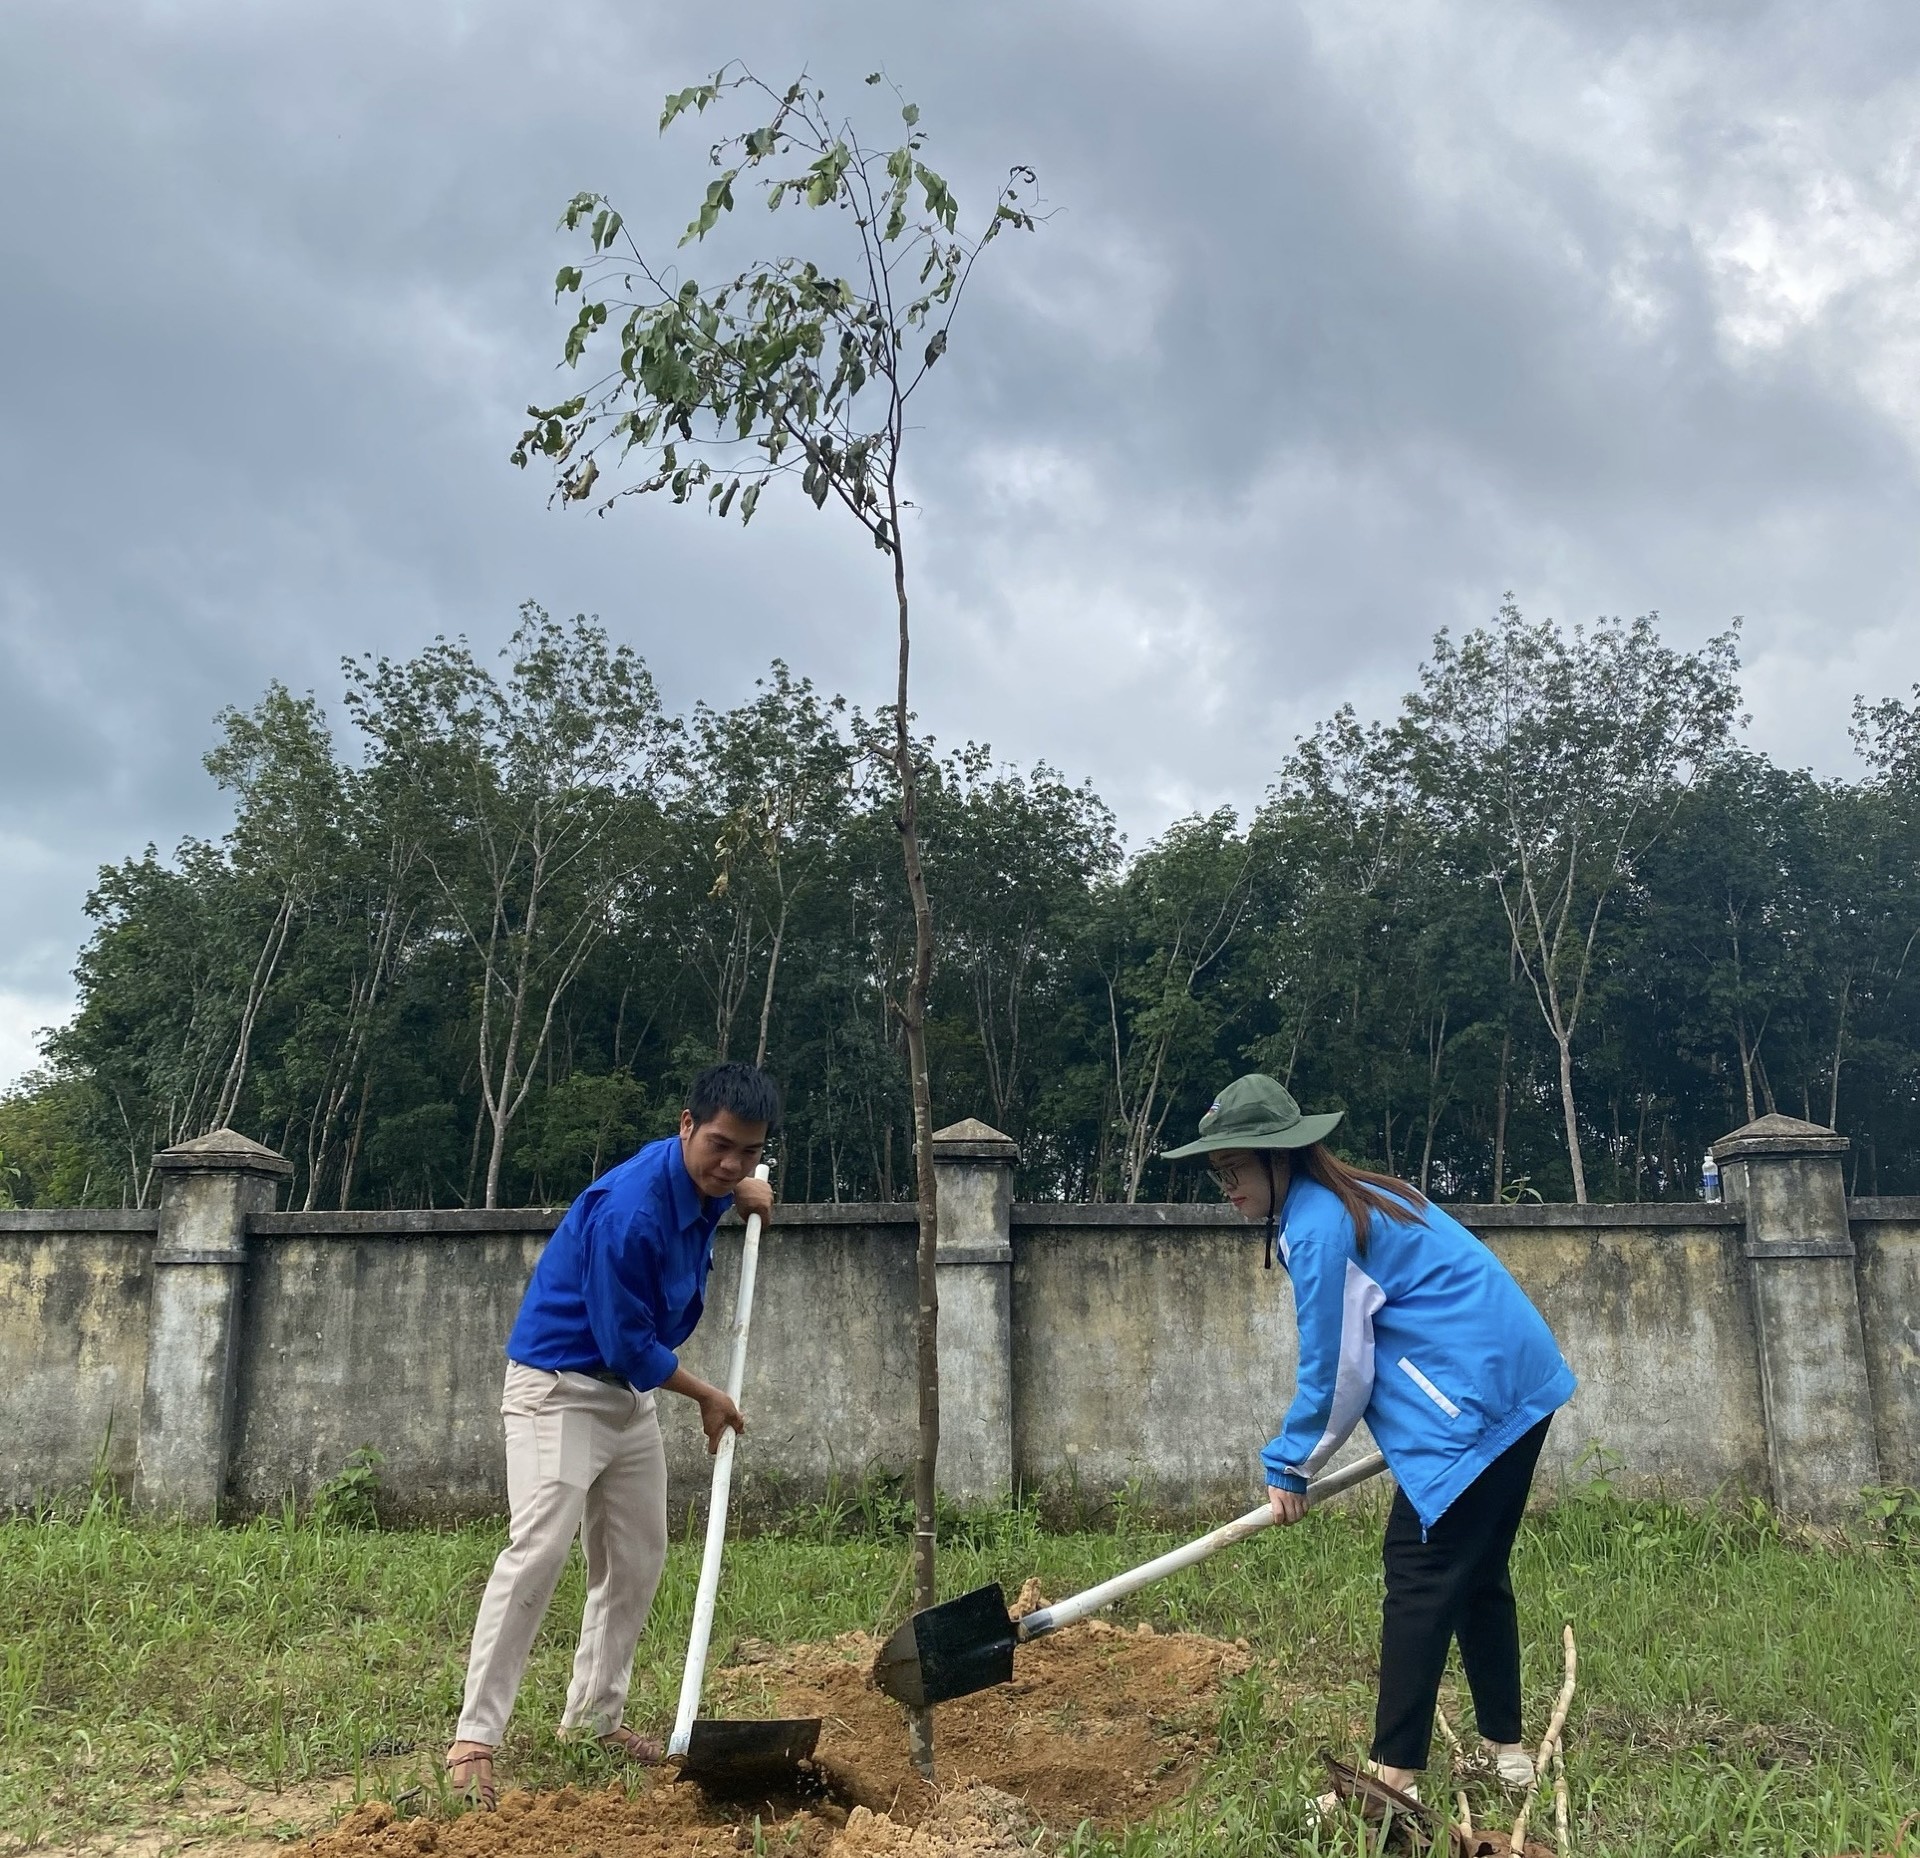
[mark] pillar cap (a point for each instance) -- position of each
(1779, 1135)
(972, 1140)
(223, 1151)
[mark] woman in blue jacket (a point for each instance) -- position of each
(1408, 1322)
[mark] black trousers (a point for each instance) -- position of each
(1453, 1585)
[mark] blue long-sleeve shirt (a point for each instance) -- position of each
(623, 1280)
(1465, 1363)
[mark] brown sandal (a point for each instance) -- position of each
(637, 1748)
(470, 1774)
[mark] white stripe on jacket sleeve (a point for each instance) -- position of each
(1353, 1379)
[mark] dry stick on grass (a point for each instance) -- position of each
(1560, 1815)
(1453, 1770)
(1549, 1742)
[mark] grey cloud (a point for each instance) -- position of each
(1350, 317)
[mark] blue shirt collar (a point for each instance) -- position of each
(690, 1206)
(1296, 1180)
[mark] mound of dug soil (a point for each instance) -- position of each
(1099, 1723)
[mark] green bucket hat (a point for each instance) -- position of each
(1255, 1112)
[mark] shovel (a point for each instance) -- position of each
(964, 1645)
(731, 1757)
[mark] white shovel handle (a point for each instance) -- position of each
(1081, 1605)
(717, 1504)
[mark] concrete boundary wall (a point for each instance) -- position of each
(215, 1355)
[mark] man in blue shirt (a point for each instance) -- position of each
(620, 1285)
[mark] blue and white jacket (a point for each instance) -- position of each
(1427, 1338)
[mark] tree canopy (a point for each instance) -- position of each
(475, 949)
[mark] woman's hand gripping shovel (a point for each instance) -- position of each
(731, 1757)
(964, 1645)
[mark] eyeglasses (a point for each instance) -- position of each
(1227, 1175)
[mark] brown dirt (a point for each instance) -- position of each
(1099, 1723)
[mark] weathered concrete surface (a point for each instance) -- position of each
(1886, 1237)
(73, 1348)
(1167, 1355)
(1650, 1307)
(973, 1180)
(209, 1189)
(360, 1334)
(829, 1394)
(1143, 1346)
(1149, 1348)
(355, 1335)
(1787, 1177)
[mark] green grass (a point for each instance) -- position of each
(1743, 1691)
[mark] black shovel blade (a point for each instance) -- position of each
(950, 1650)
(728, 1757)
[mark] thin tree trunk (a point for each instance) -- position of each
(1500, 1112)
(1573, 1127)
(927, 1328)
(497, 1148)
(473, 1150)
(263, 971)
(766, 999)
(833, 1135)
(1839, 1036)
(1141, 1133)
(352, 1158)
(1436, 1054)
(504, 1101)
(1740, 1029)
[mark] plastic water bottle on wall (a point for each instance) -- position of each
(1710, 1178)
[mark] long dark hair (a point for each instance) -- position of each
(1360, 1191)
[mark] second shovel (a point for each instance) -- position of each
(964, 1645)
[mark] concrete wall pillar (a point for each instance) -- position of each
(209, 1189)
(1786, 1176)
(973, 1182)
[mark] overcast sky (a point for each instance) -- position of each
(1351, 315)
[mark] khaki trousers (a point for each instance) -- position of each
(583, 1457)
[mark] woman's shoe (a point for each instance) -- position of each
(1327, 1805)
(1513, 1765)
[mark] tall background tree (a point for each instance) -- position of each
(1564, 757)
(545, 776)
(1759, 954)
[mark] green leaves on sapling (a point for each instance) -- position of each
(720, 389)
(719, 200)
(592, 316)
(695, 97)
(939, 198)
